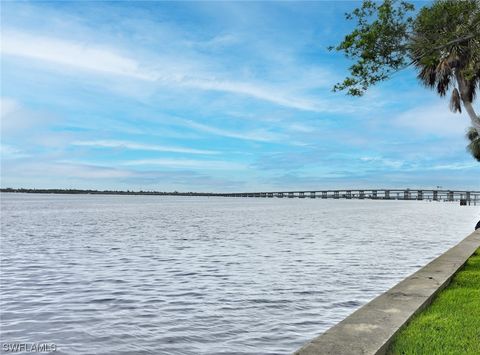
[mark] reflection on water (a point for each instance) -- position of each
(179, 275)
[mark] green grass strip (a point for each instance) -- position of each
(451, 324)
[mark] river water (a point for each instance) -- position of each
(192, 275)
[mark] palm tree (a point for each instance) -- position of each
(451, 31)
(474, 146)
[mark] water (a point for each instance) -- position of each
(166, 275)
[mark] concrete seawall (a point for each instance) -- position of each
(370, 329)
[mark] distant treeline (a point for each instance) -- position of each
(99, 192)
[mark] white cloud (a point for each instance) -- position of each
(139, 146)
(188, 163)
(74, 54)
(219, 41)
(454, 166)
(302, 128)
(390, 163)
(419, 166)
(168, 71)
(16, 118)
(259, 136)
(8, 106)
(90, 171)
(270, 94)
(433, 119)
(39, 168)
(10, 152)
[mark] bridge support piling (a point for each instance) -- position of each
(420, 195)
(450, 196)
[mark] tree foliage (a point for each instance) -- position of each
(474, 145)
(379, 43)
(442, 41)
(445, 48)
(389, 37)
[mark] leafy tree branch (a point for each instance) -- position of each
(442, 41)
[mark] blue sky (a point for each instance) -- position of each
(209, 96)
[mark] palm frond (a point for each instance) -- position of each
(455, 101)
(474, 146)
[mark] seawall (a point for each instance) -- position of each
(370, 329)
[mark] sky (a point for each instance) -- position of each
(210, 96)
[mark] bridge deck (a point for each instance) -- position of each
(373, 194)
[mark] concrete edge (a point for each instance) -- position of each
(370, 329)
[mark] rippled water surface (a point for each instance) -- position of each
(188, 275)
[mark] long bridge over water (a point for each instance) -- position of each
(464, 196)
(372, 194)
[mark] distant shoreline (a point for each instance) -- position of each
(100, 192)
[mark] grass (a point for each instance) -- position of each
(451, 324)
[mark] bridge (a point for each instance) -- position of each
(465, 197)
(372, 194)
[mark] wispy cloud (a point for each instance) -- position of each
(188, 164)
(7, 107)
(16, 118)
(258, 91)
(453, 166)
(425, 165)
(62, 174)
(385, 162)
(302, 128)
(10, 152)
(432, 119)
(140, 146)
(90, 57)
(66, 170)
(73, 54)
(216, 42)
(258, 135)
